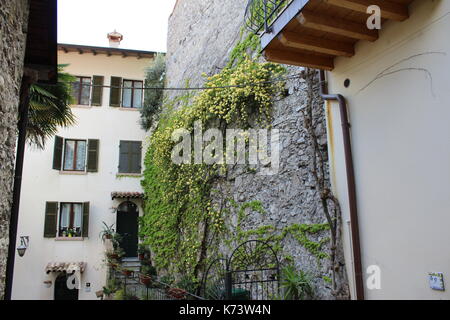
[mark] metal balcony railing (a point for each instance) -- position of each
(260, 14)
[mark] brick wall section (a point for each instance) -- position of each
(13, 25)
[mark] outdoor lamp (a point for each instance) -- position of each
(24, 241)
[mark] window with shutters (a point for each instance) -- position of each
(70, 220)
(66, 219)
(130, 157)
(76, 155)
(81, 90)
(132, 94)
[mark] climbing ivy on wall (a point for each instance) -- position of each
(179, 218)
(271, 234)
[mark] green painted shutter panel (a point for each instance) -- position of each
(51, 214)
(85, 231)
(116, 92)
(57, 153)
(136, 157)
(124, 156)
(93, 150)
(97, 92)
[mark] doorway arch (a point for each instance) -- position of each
(127, 227)
(62, 291)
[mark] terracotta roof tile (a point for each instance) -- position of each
(68, 267)
(127, 195)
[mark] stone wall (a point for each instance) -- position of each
(13, 24)
(201, 37)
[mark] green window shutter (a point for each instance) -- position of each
(97, 92)
(51, 218)
(57, 153)
(92, 157)
(124, 156)
(130, 157)
(85, 231)
(116, 92)
(136, 157)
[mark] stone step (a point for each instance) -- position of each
(133, 264)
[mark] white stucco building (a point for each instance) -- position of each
(399, 107)
(83, 176)
(395, 82)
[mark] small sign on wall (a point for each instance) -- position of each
(88, 287)
(436, 281)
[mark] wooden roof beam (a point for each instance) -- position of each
(389, 10)
(309, 43)
(337, 26)
(299, 59)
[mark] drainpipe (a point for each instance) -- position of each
(29, 77)
(354, 226)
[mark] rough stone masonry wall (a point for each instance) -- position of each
(13, 25)
(201, 37)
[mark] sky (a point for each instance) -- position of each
(143, 23)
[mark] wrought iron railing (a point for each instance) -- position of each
(135, 287)
(260, 14)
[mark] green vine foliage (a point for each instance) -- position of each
(179, 218)
(302, 233)
(154, 78)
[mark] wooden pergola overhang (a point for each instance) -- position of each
(312, 33)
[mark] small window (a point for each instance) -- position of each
(70, 220)
(130, 157)
(132, 94)
(66, 219)
(81, 90)
(74, 155)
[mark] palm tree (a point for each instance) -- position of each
(50, 108)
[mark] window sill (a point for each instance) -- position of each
(80, 173)
(128, 175)
(69, 239)
(81, 106)
(129, 109)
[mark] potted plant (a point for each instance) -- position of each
(107, 232)
(127, 272)
(109, 290)
(143, 251)
(70, 232)
(146, 274)
(115, 254)
(113, 264)
(176, 293)
(145, 279)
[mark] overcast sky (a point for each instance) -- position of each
(142, 22)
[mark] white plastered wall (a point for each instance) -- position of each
(399, 106)
(41, 183)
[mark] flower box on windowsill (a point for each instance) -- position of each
(128, 175)
(129, 109)
(82, 106)
(73, 172)
(69, 239)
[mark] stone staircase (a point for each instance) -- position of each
(132, 283)
(133, 264)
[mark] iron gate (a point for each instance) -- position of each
(251, 273)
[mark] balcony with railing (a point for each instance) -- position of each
(312, 33)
